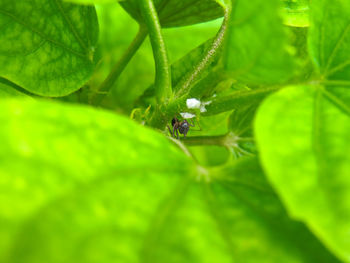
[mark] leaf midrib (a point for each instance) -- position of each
(211, 202)
(166, 208)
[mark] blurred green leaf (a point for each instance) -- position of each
(93, 2)
(47, 47)
(238, 100)
(182, 40)
(7, 89)
(213, 125)
(329, 39)
(79, 184)
(210, 155)
(241, 120)
(296, 13)
(174, 13)
(304, 140)
(253, 220)
(67, 167)
(256, 50)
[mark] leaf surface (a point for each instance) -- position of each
(253, 220)
(79, 184)
(257, 45)
(92, 2)
(175, 13)
(329, 40)
(303, 136)
(65, 167)
(49, 52)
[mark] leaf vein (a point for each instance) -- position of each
(70, 25)
(337, 46)
(337, 102)
(216, 215)
(42, 35)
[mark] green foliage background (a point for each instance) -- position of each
(90, 173)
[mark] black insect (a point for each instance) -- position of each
(179, 126)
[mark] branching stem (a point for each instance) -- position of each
(113, 76)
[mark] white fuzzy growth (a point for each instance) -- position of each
(187, 115)
(203, 109)
(193, 103)
(203, 104)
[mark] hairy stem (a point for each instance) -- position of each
(178, 104)
(190, 79)
(113, 76)
(163, 76)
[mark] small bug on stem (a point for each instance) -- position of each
(179, 126)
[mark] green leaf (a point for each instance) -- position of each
(175, 13)
(237, 100)
(296, 13)
(304, 140)
(8, 89)
(329, 39)
(49, 52)
(210, 155)
(79, 184)
(92, 2)
(68, 167)
(253, 220)
(241, 120)
(256, 50)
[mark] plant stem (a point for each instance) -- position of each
(204, 140)
(189, 80)
(163, 76)
(107, 84)
(230, 12)
(178, 104)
